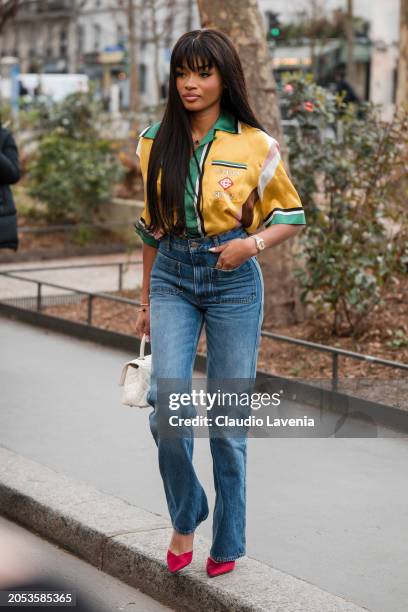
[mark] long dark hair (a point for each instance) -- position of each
(171, 148)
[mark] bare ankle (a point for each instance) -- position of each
(181, 542)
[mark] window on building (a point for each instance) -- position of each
(97, 36)
(62, 43)
(33, 43)
(142, 77)
(80, 38)
(144, 30)
(120, 34)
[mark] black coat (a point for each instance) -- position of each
(9, 174)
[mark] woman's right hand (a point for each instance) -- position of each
(143, 323)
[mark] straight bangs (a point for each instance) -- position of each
(195, 53)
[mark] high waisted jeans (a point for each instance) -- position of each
(186, 291)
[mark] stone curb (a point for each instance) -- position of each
(131, 543)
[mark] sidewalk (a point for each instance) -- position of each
(327, 511)
(130, 544)
(88, 279)
(39, 559)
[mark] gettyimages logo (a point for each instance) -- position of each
(269, 407)
(223, 407)
(222, 398)
(225, 418)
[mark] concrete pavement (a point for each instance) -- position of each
(327, 511)
(34, 558)
(130, 543)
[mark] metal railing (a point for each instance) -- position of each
(336, 353)
(92, 295)
(66, 227)
(121, 265)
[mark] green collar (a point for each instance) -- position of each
(226, 122)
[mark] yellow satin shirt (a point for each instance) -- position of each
(241, 177)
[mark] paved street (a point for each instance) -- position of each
(330, 511)
(89, 279)
(37, 559)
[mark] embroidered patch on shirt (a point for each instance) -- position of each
(227, 171)
(226, 182)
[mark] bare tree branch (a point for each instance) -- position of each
(8, 10)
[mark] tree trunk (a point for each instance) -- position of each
(349, 32)
(402, 85)
(189, 16)
(156, 45)
(133, 63)
(244, 25)
(314, 15)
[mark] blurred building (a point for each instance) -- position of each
(376, 47)
(91, 36)
(103, 43)
(42, 36)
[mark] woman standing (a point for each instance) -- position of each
(212, 176)
(9, 174)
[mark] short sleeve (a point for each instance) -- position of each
(279, 200)
(140, 225)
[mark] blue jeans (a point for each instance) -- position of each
(186, 291)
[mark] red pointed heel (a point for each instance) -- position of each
(177, 562)
(215, 569)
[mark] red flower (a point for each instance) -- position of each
(308, 106)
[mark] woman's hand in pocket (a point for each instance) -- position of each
(233, 253)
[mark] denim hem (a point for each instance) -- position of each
(187, 532)
(225, 559)
(183, 531)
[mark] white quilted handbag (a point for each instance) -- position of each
(135, 379)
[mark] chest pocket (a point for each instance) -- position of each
(229, 164)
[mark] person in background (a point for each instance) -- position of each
(9, 175)
(341, 86)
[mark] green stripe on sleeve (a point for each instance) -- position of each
(297, 218)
